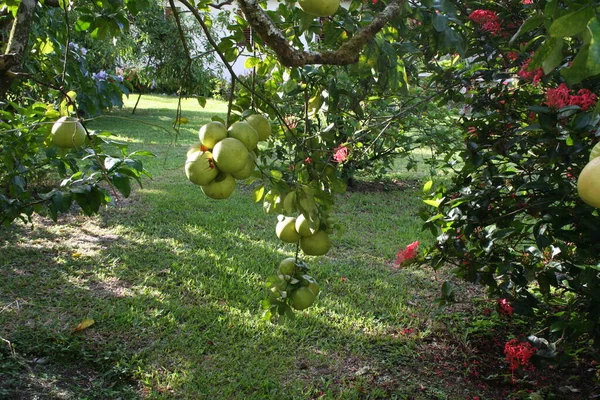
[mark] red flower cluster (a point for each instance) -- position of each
(518, 354)
(406, 254)
(487, 20)
(534, 76)
(340, 153)
(505, 308)
(560, 97)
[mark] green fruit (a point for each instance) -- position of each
(221, 188)
(595, 151)
(285, 229)
(316, 245)
(68, 133)
(261, 125)
(302, 298)
(314, 287)
(200, 168)
(212, 133)
(588, 183)
(304, 228)
(319, 8)
(245, 133)
(248, 168)
(288, 266)
(230, 155)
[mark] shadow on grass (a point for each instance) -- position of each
(175, 295)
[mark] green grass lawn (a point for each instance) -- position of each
(174, 280)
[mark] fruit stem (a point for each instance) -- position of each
(297, 250)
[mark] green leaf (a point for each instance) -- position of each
(440, 22)
(572, 23)
(593, 58)
(251, 62)
(434, 203)
(554, 58)
(257, 195)
(428, 185)
(122, 184)
(201, 101)
(530, 24)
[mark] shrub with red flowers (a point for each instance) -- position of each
(511, 218)
(518, 354)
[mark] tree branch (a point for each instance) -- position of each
(289, 56)
(17, 44)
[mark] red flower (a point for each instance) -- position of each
(584, 99)
(534, 76)
(340, 153)
(505, 307)
(558, 98)
(406, 254)
(487, 20)
(518, 354)
(308, 160)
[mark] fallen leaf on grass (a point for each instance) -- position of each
(86, 323)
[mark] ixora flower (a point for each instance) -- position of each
(518, 354)
(534, 76)
(505, 308)
(340, 153)
(487, 20)
(560, 97)
(408, 253)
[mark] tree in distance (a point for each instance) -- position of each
(221, 188)
(200, 168)
(588, 183)
(316, 245)
(286, 230)
(230, 155)
(68, 133)
(320, 8)
(245, 133)
(210, 134)
(261, 125)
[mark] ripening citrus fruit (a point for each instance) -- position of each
(212, 133)
(221, 188)
(319, 8)
(68, 133)
(200, 168)
(288, 266)
(595, 151)
(286, 230)
(248, 169)
(245, 133)
(588, 183)
(230, 155)
(303, 226)
(302, 298)
(315, 245)
(261, 125)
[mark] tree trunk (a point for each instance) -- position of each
(13, 58)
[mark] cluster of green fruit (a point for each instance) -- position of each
(313, 241)
(224, 155)
(588, 183)
(292, 287)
